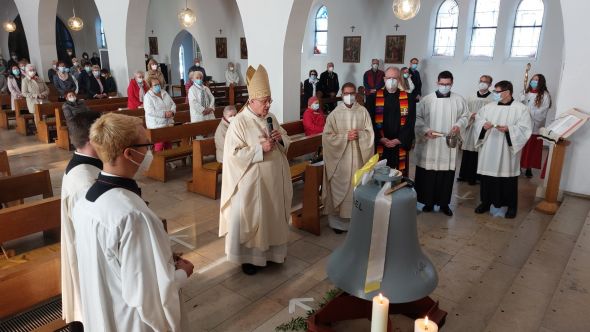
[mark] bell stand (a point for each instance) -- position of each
(347, 307)
(549, 205)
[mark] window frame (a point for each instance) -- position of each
(436, 29)
(316, 30)
(514, 27)
(103, 37)
(181, 64)
(475, 28)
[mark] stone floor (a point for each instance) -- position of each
(219, 297)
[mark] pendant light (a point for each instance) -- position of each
(9, 26)
(75, 23)
(405, 9)
(186, 17)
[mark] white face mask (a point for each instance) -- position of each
(31, 73)
(375, 66)
(198, 64)
(391, 83)
(444, 89)
(145, 164)
(75, 64)
(348, 99)
(231, 68)
(72, 99)
(154, 67)
(483, 86)
(330, 69)
(315, 106)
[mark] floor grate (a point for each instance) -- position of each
(34, 319)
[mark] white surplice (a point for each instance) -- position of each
(200, 98)
(128, 280)
(76, 181)
(496, 157)
(343, 157)
(440, 115)
(256, 192)
(474, 103)
(538, 114)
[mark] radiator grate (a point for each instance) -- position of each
(35, 318)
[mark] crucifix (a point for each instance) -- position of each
(396, 26)
(220, 31)
(352, 28)
(152, 32)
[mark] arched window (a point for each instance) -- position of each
(485, 22)
(527, 29)
(445, 31)
(181, 64)
(321, 31)
(103, 39)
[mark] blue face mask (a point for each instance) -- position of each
(406, 75)
(67, 70)
(444, 89)
(157, 89)
(534, 84)
(414, 66)
(16, 72)
(497, 96)
(198, 81)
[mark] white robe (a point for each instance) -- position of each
(220, 133)
(256, 193)
(77, 180)
(128, 280)
(538, 114)
(496, 158)
(343, 157)
(474, 103)
(197, 106)
(438, 114)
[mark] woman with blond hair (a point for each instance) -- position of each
(34, 89)
(159, 110)
(153, 71)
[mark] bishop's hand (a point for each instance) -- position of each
(275, 135)
(267, 145)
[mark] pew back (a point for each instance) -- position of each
(4, 165)
(17, 187)
(185, 130)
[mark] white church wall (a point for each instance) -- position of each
(374, 19)
(212, 16)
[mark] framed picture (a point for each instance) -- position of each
(153, 41)
(395, 49)
(243, 48)
(351, 49)
(221, 47)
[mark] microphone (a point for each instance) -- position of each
(269, 127)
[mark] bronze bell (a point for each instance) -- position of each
(408, 274)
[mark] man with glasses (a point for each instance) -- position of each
(483, 96)
(393, 119)
(501, 130)
(256, 189)
(347, 141)
(129, 278)
(438, 114)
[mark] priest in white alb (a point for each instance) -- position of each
(468, 170)
(129, 278)
(348, 143)
(438, 114)
(80, 174)
(502, 129)
(256, 188)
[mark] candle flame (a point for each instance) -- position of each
(380, 298)
(426, 323)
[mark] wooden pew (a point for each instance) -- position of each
(300, 147)
(22, 186)
(6, 112)
(293, 128)
(238, 94)
(307, 217)
(4, 164)
(23, 119)
(184, 133)
(46, 123)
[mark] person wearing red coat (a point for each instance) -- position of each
(313, 117)
(135, 91)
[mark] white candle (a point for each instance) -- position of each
(380, 314)
(425, 325)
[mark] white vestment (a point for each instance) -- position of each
(128, 280)
(256, 192)
(496, 157)
(77, 180)
(474, 103)
(440, 115)
(220, 133)
(538, 114)
(343, 157)
(199, 99)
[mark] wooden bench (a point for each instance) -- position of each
(238, 94)
(46, 123)
(6, 112)
(298, 148)
(23, 120)
(293, 128)
(183, 132)
(4, 164)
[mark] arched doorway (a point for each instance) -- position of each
(17, 40)
(184, 49)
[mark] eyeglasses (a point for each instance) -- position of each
(349, 94)
(500, 91)
(265, 102)
(149, 146)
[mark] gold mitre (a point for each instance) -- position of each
(257, 82)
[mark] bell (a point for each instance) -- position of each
(408, 274)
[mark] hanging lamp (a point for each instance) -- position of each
(406, 9)
(75, 23)
(186, 17)
(9, 26)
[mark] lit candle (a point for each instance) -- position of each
(425, 325)
(380, 314)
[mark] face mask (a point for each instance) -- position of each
(54, 66)
(72, 99)
(157, 89)
(67, 70)
(330, 69)
(139, 80)
(85, 56)
(198, 81)
(22, 68)
(497, 96)
(231, 68)
(31, 73)
(76, 64)
(61, 69)
(414, 66)
(375, 66)
(312, 77)
(69, 53)
(15, 72)
(315, 106)
(198, 64)
(96, 73)
(444, 89)
(534, 84)
(14, 57)
(154, 67)
(483, 86)
(348, 99)
(391, 83)
(406, 75)
(145, 164)
(88, 69)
